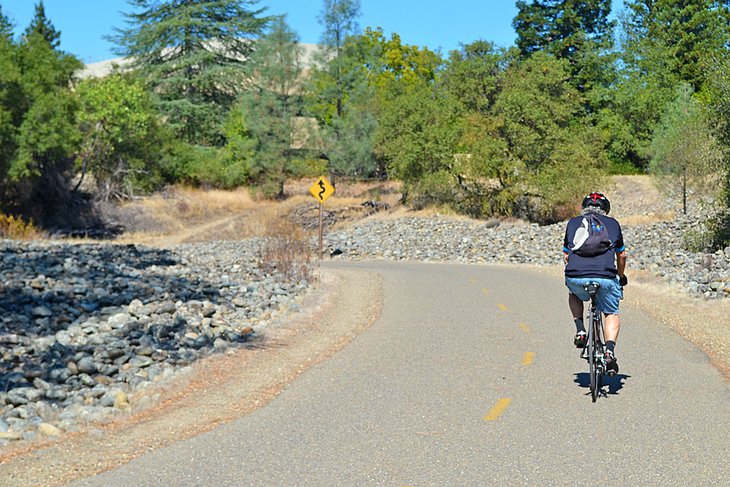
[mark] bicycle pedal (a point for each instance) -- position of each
(611, 372)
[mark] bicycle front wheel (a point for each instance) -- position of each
(592, 365)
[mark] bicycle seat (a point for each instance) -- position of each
(592, 289)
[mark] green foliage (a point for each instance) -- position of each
(192, 53)
(235, 163)
(718, 95)
(122, 138)
(579, 31)
(262, 130)
(41, 25)
(562, 27)
(677, 37)
(359, 75)
(685, 153)
(543, 127)
(664, 43)
(197, 165)
(419, 132)
(495, 135)
(48, 136)
(6, 27)
(389, 62)
(342, 97)
(44, 109)
(473, 74)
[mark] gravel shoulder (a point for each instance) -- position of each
(216, 390)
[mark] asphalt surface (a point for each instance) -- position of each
(470, 378)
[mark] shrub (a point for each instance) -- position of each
(17, 229)
(287, 252)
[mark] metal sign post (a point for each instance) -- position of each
(321, 190)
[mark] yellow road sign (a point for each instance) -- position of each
(322, 189)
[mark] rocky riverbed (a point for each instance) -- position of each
(654, 247)
(86, 327)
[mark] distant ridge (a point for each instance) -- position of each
(104, 68)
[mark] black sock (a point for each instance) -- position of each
(610, 344)
(579, 325)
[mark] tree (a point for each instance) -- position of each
(340, 94)
(719, 104)
(192, 53)
(473, 74)
(685, 154)
(548, 138)
(384, 68)
(562, 27)
(577, 30)
(339, 19)
(9, 94)
(677, 37)
(271, 105)
(663, 43)
(42, 111)
(121, 138)
(6, 27)
(40, 24)
(418, 135)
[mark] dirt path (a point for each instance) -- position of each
(198, 232)
(216, 390)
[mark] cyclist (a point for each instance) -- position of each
(605, 264)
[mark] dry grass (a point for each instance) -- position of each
(287, 252)
(631, 220)
(186, 205)
(18, 229)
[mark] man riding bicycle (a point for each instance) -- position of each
(593, 251)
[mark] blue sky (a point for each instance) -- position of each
(437, 24)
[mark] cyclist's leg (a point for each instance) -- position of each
(576, 306)
(609, 297)
(612, 325)
(575, 301)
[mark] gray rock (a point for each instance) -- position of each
(41, 312)
(87, 366)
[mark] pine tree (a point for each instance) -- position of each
(193, 55)
(6, 27)
(272, 104)
(562, 27)
(41, 25)
(577, 30)
(339, 19)
(677, 37)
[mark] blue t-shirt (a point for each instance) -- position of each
(603, 265)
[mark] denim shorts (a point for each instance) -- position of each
(609, 294)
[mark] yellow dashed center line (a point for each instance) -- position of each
(524, 327)
(485, 290)
(502, 307)
(472, 280)
(498, 409)
(528, 358)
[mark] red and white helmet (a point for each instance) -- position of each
(597, 199)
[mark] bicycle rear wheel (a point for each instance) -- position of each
(592, 365)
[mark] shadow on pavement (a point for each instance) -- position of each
(611, 386)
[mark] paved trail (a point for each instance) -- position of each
(470, 378)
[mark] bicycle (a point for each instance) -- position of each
(595, 348)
